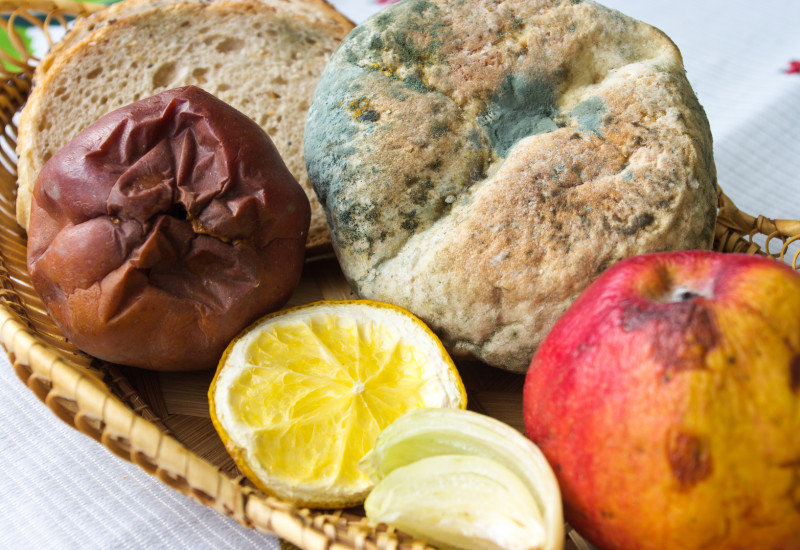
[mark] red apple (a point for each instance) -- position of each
(667, 400)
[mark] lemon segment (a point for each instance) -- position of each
(300, 397)
(420, 435)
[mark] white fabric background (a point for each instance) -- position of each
(60, 489)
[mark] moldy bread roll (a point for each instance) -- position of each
(163, 229)
(481, 162)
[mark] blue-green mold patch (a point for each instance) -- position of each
(523, 107)
(589, 115)
(335, 118)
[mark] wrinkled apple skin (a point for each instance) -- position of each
(667, 400)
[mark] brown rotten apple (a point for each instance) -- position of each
(667, 400)
(163, 229)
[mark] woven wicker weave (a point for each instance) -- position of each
(112, 404)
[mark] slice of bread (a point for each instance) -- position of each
(263, 57)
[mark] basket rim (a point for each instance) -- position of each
(81, 398)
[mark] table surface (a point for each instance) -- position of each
(61, 489)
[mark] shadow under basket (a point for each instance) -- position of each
(160, 421)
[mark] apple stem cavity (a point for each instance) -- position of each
(686, 294)
(683, 294)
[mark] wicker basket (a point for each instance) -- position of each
(124, 408)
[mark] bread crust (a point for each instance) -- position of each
(316, 9)
(87, 61)
(481, 162)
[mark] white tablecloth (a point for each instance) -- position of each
(61, 489)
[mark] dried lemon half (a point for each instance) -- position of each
(301, 395)
(460, 479)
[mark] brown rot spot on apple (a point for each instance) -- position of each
(794, 374)
(689, 459)
(681, 332)
(793, 491)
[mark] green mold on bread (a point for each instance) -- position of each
(482, 161)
